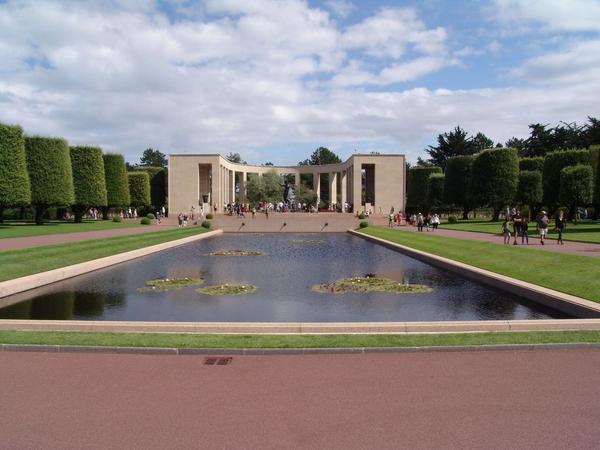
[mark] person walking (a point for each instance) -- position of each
(543, 226)
(561, 224)
(517, 220)
(390, 220)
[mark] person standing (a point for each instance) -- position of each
(543, 226)
(420, 222)
(517, 220)
(525, 231)
(561, 224)
(506, 231)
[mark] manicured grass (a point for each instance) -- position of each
(293, 341)
(572, 274)
(27, 261)
(588, 230)
(11, 229)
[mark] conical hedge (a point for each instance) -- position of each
(14, 181)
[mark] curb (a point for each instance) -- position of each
(38, 348)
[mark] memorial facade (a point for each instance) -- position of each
(365, 181)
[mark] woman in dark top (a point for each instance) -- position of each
(561, 224)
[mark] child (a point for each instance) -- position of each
(506, 231)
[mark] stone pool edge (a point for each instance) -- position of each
(22, 284)
(560, 301)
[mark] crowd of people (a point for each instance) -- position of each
(425, 221)
(520, 226)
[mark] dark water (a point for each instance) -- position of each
(284, 276)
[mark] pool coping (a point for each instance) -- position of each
(560, 301)
(26, 283)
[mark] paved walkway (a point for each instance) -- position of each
(547, 399)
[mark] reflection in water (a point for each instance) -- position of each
(284, 277)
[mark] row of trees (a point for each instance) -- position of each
(497, 178)
(45, 172)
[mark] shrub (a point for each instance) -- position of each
(139, 188)
(117, 186)
(417, 186)
(14, 181)
(88, 179)
(209, 216)
(206, 224)
(363, 224)
(576, 186)
(452, 219)
(150, 216)
(529, 189)
(116, 219)
(362, 216)
(554, 162)
(495, 178)
(157, 177)
(595, 161)
(50, 173)
(145, 221)
(457, 182)
(534, 163)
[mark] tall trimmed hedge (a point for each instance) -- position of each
(139, 188)
(576, 186)
(14, 181)
(534, 163)
(457, 182)
(554, 162)
(157, 176)
(417, 185)
(529, 189)
(435, 190)
(117, 185)
(88, 179)
(495, 178)
(595, 163)
(50, 173)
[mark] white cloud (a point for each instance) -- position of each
(340, 8)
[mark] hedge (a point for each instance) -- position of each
(115, 175)
(50, 173)
(576, 186)
(595, 162)
(158, 191)
(88, 179)
(495, 178)
(417, 184)
(139, 188)
(14, 181)
(529, 189)
(435, 190)
(554, 162)
(534, 163)
(458, 181)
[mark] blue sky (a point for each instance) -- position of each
(274, 79)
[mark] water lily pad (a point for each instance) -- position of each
(167, 284)
(227, 289)
(369, 284)
(236, 253)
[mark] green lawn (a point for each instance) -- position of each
(27, 261)
(572, 274)
(588, 231)
(11, 229)
(174, 340)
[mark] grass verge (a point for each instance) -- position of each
(27, 261)
(572, 274)
(13, 229)
(293, 341)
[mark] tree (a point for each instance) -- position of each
(158, 189)
(540, 141)
(305, 195)
(321, 156)
(273, 187)
(154, 158)
(576, 187)
(455, 143)
(417, 186)
(139, 188)
(529, 188)
(495, 178)
(235, 158)
(457, 183)
(591, 132)
(88, 179)
(269, 163)
(435, 190)
(518, 144)
(481, 142)
(117, 185)
(50, 173)
(255, 188)
(14, 181)
(554, 162)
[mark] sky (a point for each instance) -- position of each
(275, 79)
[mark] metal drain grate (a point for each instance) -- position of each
(218, 361)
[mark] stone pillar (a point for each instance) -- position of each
(215, 188)
(333, 188)
(317, 186)
(357, 187)
(232, 185)
(243, 181)
(343, 183)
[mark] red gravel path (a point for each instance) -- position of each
(546, 399)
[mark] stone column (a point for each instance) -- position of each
(317, 186)
(344, 180)
(243, 181)
(333, 188)
(232, 186)
(215, 188)
(357, 187)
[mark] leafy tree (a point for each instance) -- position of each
(435, 190)
(481, 142)
(154, 158)
(139, 188)
(457, 183)
(88, 179)
(117, 185)
(529, 189)
(576, 187)
(418, 184)
(273, 187)
(268, 163)
(533, 163)
(14, 181)
(454, 143)
(540, 141)
(495, 178)
(518, 144)
(255, 188)
(305, 195)
(321, 156)
(235, 158)
(158, 188)
(591, 132)
(554, 162)
(50, 173)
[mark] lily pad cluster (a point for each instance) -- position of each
(236, 253)
(369, 284)
(306, 241)
(227, 289)
(167, 284)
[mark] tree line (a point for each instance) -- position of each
(45, 172)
